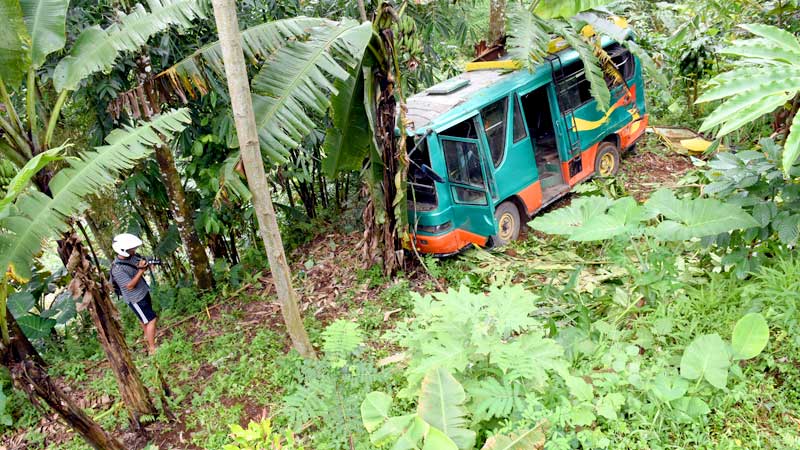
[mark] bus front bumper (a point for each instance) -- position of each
(446, 244)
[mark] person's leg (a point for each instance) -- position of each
(150, 335)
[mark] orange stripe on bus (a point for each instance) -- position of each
(587, 165)
(532, 196)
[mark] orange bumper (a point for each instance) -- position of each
(448, 243)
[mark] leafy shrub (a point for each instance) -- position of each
(498, 373)
(260, 436)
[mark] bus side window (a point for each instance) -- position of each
(574, 89)
(520, 132)
(494, 122)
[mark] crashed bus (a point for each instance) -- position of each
(491, 147)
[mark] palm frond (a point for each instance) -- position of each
(299, 79)
(96, 49)
(23, 176)
(46, 22)
(608, 28)
(528, 37)
(766, 79)
(36, 216)
(258, 43)
(591, 64)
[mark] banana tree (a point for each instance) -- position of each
(29, 216)
(30, 32)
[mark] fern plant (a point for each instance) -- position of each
(765, 79)
(328, 392)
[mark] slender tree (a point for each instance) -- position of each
(242, 105)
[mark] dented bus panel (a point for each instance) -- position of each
(490, 148)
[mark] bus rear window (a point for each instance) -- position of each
(421, 189)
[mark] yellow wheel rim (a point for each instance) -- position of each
(506, 226)
(607, 164)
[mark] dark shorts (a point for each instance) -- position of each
(143, 309)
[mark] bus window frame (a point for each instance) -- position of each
(457, 184)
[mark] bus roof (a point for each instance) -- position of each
(437, 111)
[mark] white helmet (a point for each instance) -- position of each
(124, 242)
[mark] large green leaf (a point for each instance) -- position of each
(766, 78)
(5, 417)
(532, 439)
(791, 149)
(375, 410)
(96, 49)
(349, 140)
(750, 336)
(441, 404)
(566, 8)
(695, 218)
(45, 20)
(707, 357)
(297, 81)
(35, 216)
(20, 303)
(15, 43)
(258, 43)
(35, 327)
(24, 176)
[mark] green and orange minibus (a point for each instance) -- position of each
(490, 148)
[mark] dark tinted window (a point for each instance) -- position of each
(624, 62)
(519, 122)
(494, 123)
(463, 162)
(573, 89)
(471, 196)
(465, 129)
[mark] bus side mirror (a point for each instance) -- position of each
(430, 173)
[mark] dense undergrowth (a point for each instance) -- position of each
(574, 340)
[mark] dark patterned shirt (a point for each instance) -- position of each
(123, 274)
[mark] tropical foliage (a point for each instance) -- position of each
(654, 309)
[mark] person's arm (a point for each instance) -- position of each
(135, 280)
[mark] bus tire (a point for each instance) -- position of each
(606, 164)
(508, 224)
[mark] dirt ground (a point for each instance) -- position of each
(325, 268)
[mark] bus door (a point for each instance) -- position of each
(473, 209)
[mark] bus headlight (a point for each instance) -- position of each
(433, 229)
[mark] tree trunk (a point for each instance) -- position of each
(35, 381)
(85, 286)
(242, 105)
(497, 20)
(184, 218)
(387, 234)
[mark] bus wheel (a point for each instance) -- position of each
(607, 162)
(508, 224)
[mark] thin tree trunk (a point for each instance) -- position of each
(242, 104)
(105, 246)
(497, 20)
(97, 294)
(195, 252)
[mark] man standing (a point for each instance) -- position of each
(127, 271)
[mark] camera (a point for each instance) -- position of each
(153, 261)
